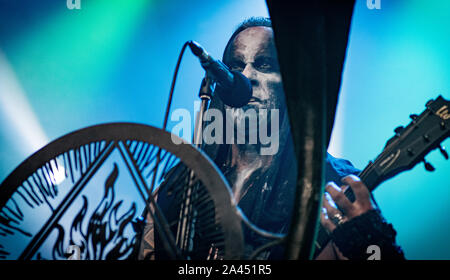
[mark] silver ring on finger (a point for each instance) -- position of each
(337, 219)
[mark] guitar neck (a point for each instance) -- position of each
(369, 177)
(404, 150)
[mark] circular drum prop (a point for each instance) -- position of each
(82, 196)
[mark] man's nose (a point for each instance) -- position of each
(250, 73)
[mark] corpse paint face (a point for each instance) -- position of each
(253, 53)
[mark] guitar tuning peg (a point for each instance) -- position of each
(443, 151)
(413, 117)
(398, 129)
(428, 166)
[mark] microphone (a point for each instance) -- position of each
(233, 88)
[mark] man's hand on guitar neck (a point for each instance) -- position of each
(356, 226)
(335, 195)
(331, 216)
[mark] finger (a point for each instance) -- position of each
(326, 222)
(330, 209)
(339, 197)
(333, 215)
(360, 190)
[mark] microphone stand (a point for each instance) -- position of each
(185, 232)
(205, 93)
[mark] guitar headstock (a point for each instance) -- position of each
(412, 143)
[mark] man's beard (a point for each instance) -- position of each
(252, 120)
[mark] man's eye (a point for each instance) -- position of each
(236, 67)
(264, 65)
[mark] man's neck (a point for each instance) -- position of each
(246, 160)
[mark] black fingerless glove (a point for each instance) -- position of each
(355, 236)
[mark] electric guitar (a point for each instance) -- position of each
(404, 150)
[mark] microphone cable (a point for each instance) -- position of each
(172, 87)
(166, 115)
(169, 242)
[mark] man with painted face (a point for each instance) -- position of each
(264, 185)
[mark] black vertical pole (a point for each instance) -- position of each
(311, 40)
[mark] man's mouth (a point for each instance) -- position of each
(255, 100)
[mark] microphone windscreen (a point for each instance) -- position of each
(239, 94)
